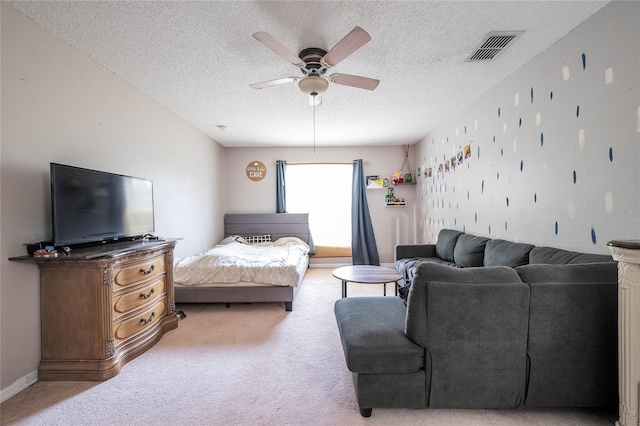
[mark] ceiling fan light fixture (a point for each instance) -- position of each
(313, 84)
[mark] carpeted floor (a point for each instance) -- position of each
(249, 365)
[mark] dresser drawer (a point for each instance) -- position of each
(140, 322)
(132, 300)
(134, 273)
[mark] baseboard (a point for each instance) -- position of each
(339, 265)
(18, 386)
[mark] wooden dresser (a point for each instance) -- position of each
(103, 306)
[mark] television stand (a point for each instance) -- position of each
(103, 306)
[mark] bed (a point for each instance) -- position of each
(284, 229)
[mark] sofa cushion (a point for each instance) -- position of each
(572, 344)
(506, 253)
(583, 272)
(415, 325)
(373, 338)
(446, 244)
(476, 342)
(469, 250)
(554, 256)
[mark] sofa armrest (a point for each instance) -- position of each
(406, 251)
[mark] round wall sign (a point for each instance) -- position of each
(256, 171)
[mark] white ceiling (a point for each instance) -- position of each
(198, 59)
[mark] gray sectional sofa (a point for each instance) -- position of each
(486, 323)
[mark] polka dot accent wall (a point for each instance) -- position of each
(540, 158)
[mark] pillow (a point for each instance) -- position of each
(253, 239)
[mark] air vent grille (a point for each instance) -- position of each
(493, 44)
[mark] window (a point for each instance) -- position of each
(323, 191)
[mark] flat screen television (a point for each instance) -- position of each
(90, 206)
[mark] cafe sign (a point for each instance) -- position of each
(256, 171)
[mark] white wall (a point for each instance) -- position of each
(554, 117)
(247, 196)
(60, 106)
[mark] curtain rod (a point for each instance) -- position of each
(321, 162)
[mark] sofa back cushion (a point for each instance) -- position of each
(446, 244)
(416, 324)
(506, 253)
(572, 344)
(554, 256)
(584, 272)
(469, 250)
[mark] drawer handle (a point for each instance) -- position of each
(148, 295)
(147, 321)
(147, 271)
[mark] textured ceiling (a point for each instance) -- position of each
(198, 59)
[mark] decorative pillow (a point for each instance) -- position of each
(258, 239)
(233, 239)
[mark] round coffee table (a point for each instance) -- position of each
(367, 274)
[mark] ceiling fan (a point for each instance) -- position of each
(314, 63)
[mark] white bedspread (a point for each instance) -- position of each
(229, 262)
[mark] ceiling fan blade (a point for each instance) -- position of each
(275, 82)
(273, 44)
(345, 47)
(315, 100)
(354, 81)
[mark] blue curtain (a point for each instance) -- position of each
(363, 242)
(281, 199)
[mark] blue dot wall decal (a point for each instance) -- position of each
(535, 197)
(489, 229)
(556, 231)
(505, 225)
(575, 177)
(465, 129)
(521, 165)
(541, 139)
(610, 154)
(498, 112)
(498, 176)
(520, 122)
(476, 217)
(578, 111)
(501, 152)
(551, 96)
(584, 61)
(593, 236)
(482, 186)
(532, 95)
(494, 138)
(507, 201)
(468, 195)
(478, 152)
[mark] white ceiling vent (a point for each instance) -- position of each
(493, 43)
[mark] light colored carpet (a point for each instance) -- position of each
(249, 365)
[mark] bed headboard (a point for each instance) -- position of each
(277, 224)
